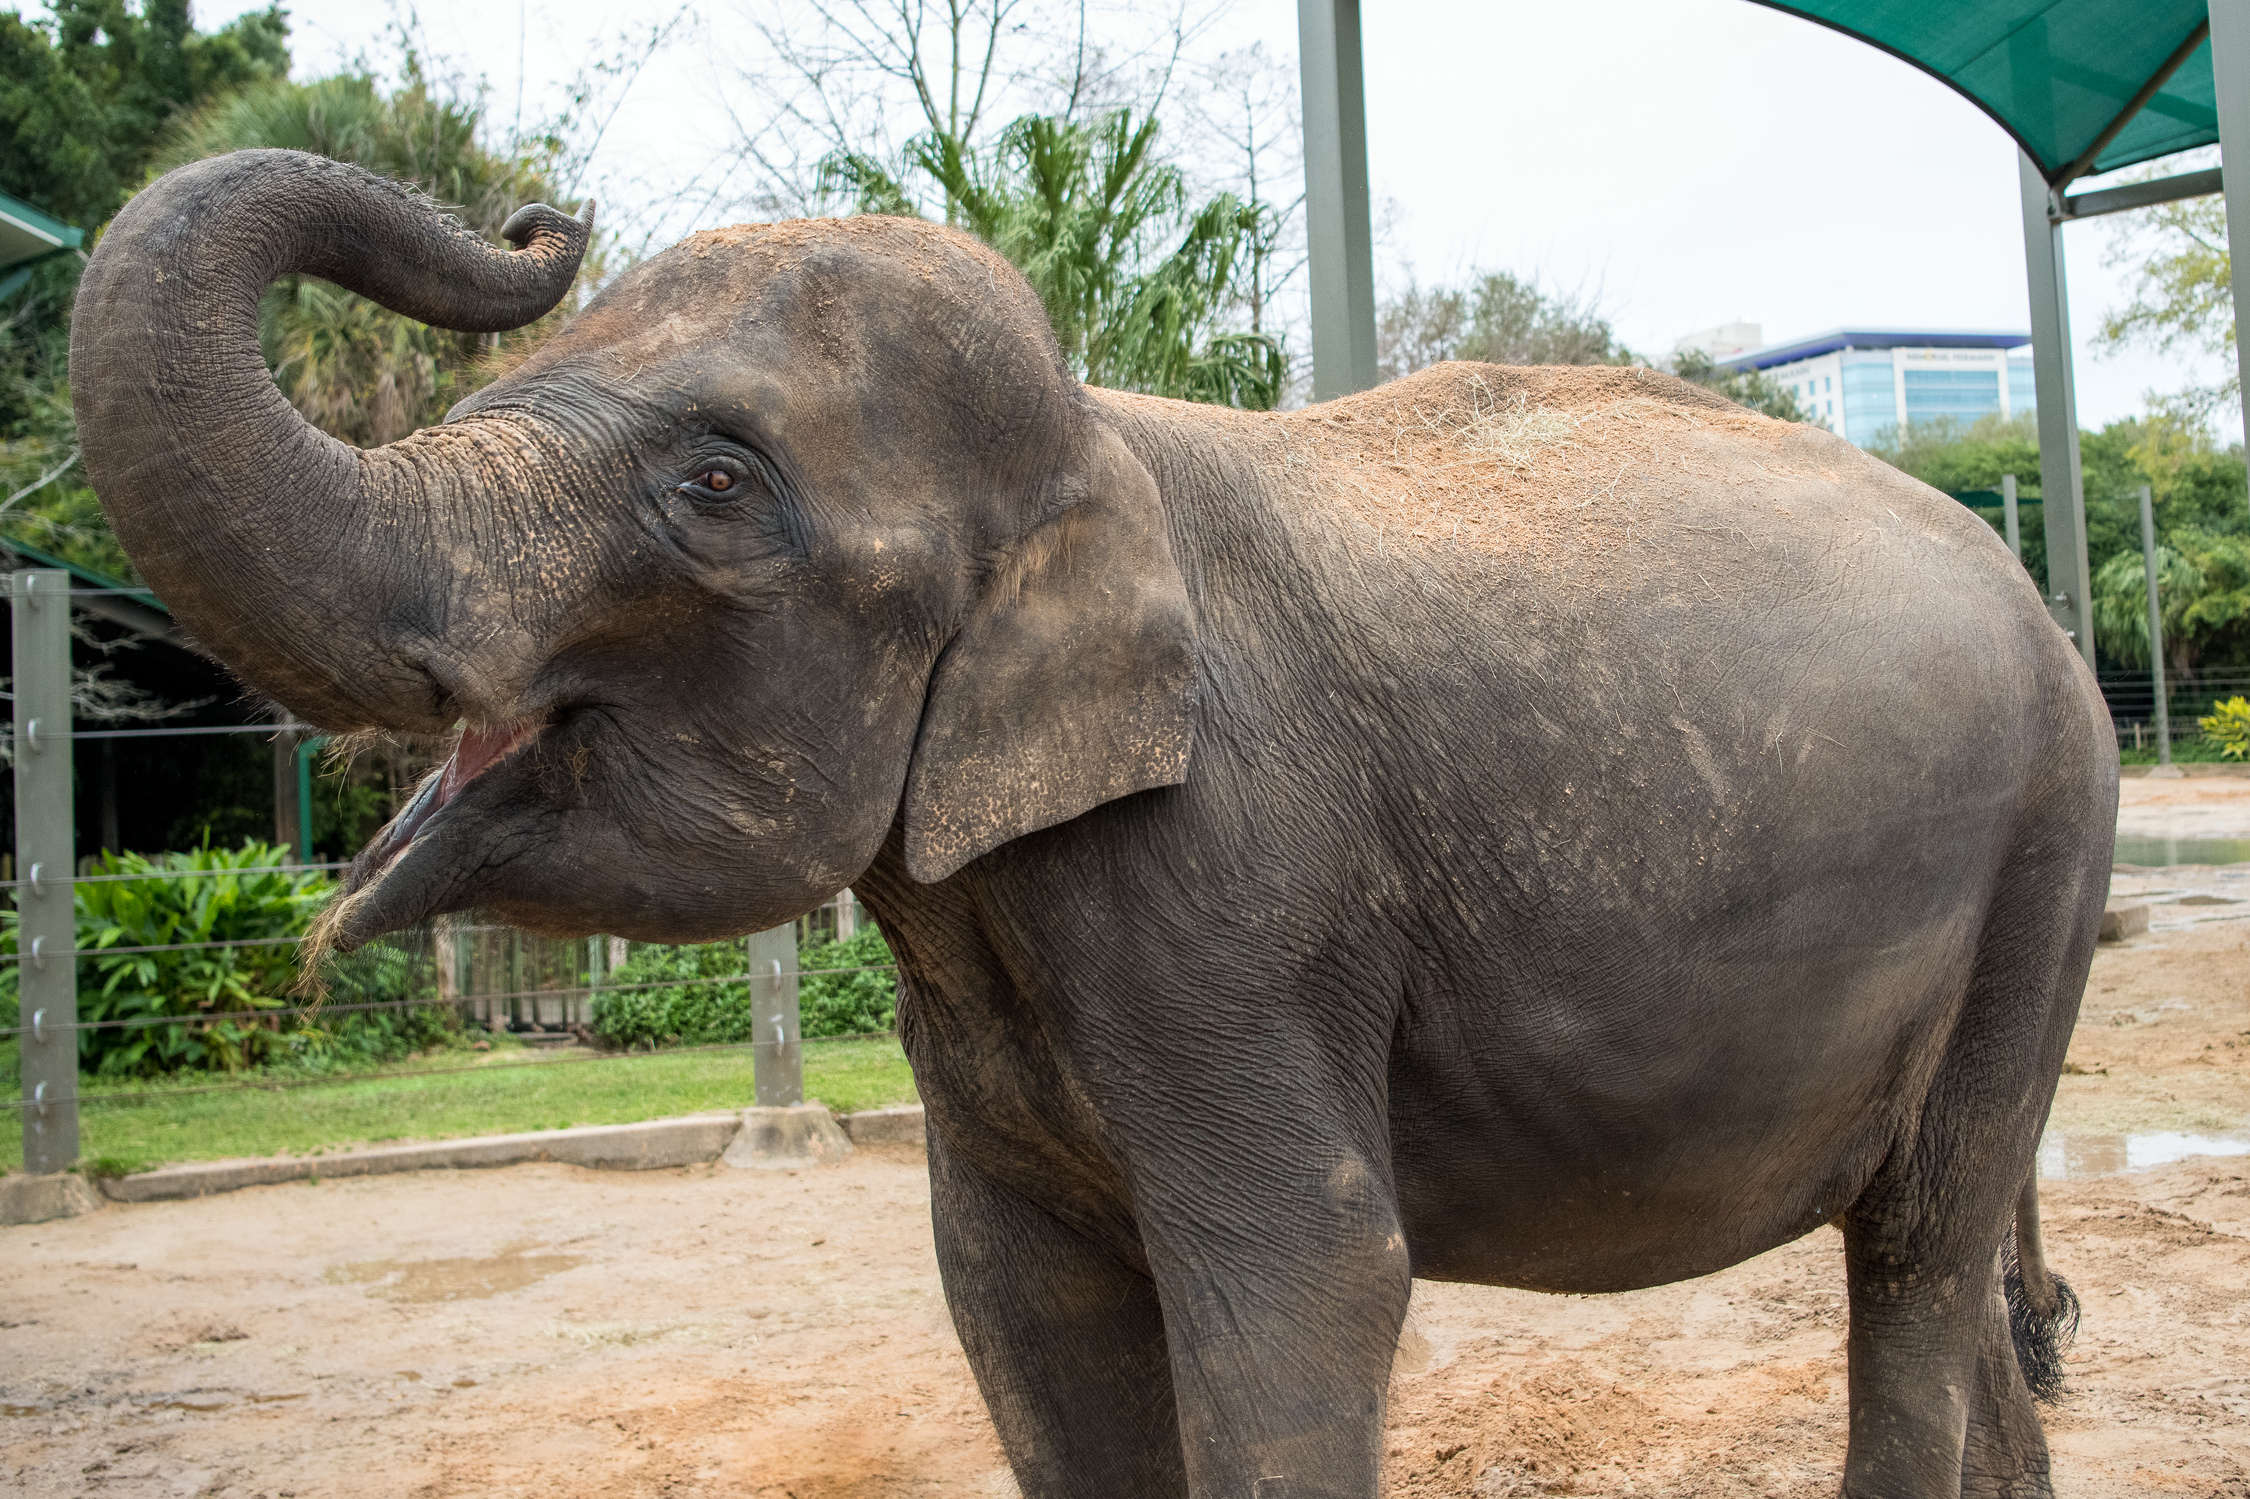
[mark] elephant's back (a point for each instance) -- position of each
(1505, 471)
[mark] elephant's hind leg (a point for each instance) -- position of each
(1938, 1406)
(1067, 1343)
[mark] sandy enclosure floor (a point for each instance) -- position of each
(2192, 807)
(547, 1331)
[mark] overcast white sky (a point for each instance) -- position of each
(1695, 161)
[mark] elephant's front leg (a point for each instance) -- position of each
(1066, 1340)
(1284, 1278)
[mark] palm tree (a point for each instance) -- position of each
(1135, 279)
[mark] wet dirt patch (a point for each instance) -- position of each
(452, 1279)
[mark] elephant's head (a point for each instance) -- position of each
(795, 532)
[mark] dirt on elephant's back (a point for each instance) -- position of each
(1545, 464)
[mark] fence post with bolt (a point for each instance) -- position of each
(47, 934)
(782, 1132)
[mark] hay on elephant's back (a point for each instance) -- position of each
(1529, 462)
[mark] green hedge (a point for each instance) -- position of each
(698, 1006)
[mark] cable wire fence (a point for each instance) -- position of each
(2131, 696)
(161, 983)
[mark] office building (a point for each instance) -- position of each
(1865, 383)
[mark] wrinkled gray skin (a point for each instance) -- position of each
(1283, 912)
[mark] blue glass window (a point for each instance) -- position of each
(1870, 405)
(1955, 395)
(2023, 390)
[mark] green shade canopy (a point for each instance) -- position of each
(26, 234)
(2084, 86)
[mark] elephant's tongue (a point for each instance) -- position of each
(477, 751)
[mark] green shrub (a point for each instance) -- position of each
(695, 1006)
(848, 1004)
(683, 1012)
(227, 907)
(202, 981)
(2228, 727)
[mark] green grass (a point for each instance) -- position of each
(132, 1126)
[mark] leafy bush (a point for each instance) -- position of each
(201, 981)
(2228, 727)
(848, 1004)
(225, 981)
(696, 1007)
(683, 1012)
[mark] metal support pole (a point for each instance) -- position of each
(305, 752)
(2230, 76)
(847, 916)
(2011, 515)
(1339, 238)
(778, 1061)
(2155, 632)
(285, 790)
(2070, 579)
(46, 845)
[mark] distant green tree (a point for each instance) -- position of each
(85, 97)
(85, 100)
(1498, 318)
(1751, 388)
(2183, 292)
(2203, 596)
(1137, 279)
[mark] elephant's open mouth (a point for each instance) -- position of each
(477, 751)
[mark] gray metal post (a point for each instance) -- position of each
(2070, 579)
(2011, 515)
(2155, 632)
(778, 1060)
(285, 830)
(46, 844)
(1339, 238)
(2230, 75)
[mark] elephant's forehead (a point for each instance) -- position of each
(803, 277)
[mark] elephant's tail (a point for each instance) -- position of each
(2042, 1308)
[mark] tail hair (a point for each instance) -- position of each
(2040, 1338)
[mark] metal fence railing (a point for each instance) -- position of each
(489, 977)
(2132, 702)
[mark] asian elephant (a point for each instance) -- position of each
(1548, 828)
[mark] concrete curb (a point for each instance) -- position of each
(648, 1146)
(900, 1126)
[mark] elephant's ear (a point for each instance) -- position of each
(1072, 682)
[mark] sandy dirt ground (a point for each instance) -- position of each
(547, 1331)
(2190, 807)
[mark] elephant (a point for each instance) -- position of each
(1549, 828)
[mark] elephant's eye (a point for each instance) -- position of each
(718, 481)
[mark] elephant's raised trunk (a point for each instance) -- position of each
(260, 531)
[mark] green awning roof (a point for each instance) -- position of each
(27, 234)
(2066, 78)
